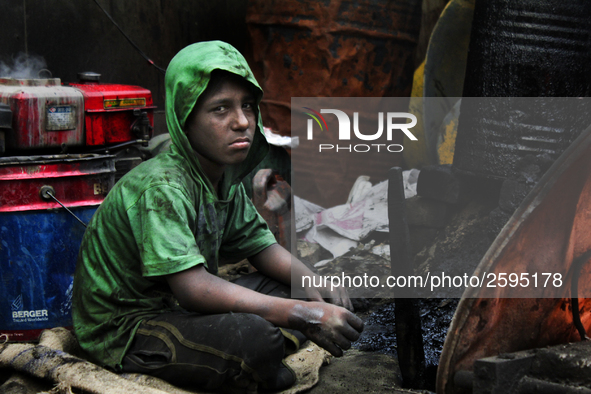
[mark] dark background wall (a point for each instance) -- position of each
(75, 35)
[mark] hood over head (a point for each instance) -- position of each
(186, 78)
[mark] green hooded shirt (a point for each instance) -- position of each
(164, 217)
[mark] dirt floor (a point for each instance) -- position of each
(356, 372)
(371, 366)
(359, 372)
(363, 369)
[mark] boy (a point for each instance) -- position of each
(146, 295)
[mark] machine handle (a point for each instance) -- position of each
(47, 193)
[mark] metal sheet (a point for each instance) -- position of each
(521, 48)
(78, 180)
(44, 113)
(548, 231)
(529, 48)
(496, 133)
(440, 75)
(108, 119)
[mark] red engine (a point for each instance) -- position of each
(42, 114)
(62, 148)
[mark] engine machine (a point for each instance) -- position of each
(42, 115)
(62, 148)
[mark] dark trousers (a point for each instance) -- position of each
(211, 352)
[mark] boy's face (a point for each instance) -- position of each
(222, 125)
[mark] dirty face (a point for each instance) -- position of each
(222, 125)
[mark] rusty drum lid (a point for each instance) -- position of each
(549, 231)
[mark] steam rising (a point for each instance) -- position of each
(23, 67)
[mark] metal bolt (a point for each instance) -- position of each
(46, 192)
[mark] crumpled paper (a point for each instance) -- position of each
(340, 228)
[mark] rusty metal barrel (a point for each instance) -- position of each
(314, 48)
(522, 48)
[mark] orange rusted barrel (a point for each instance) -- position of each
(330, 49)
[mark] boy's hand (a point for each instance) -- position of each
(338, 296)
(329, 326)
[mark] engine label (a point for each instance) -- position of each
(21, 316)
(61, 117)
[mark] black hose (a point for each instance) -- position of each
(163, 71)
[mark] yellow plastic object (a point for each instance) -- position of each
(447, 53)
(446, 137)
(441, 75)
(445, 150)
(416, 153)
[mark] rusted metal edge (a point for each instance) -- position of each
(579, 147)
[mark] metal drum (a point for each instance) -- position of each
(522, 48)
(39, 239)
(331, 49)
(339, 48)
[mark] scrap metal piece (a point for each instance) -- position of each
(549, 230)
(502, 374)
(558, 369)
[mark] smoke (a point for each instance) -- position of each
(24, 67)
